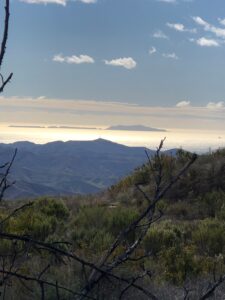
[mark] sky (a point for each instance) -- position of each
(107, 62)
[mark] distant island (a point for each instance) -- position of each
(26, 126)
(73, 127)
(116, 127)
(134, 128)
(54, 127)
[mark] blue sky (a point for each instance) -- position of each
(146, 52)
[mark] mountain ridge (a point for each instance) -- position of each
(66, 168)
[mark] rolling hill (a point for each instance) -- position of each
(66, 168)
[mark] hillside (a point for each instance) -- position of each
(183, 250)
(67, 168)
(205, 176)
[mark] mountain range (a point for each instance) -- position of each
(68, 168)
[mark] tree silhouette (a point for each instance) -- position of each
(4, 81)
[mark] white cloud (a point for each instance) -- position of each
(159, 34)
(183, 104)
(152, 50)
(222, 21)
(81, 59)
(125, 62)
(216, 105)
(219, 32)
(204, 42)
(59, 58)
(200, 21)
(180, 27)
(41, 98)
(176, 26)
(170, 55)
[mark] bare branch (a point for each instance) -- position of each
(212, 289)
(15, 212)
(107, 268)
(148, 214)
(42, 282)
(3, 44)
(5, 82)
(4, 183)
(5, 33)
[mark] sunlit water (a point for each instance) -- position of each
(194, 140)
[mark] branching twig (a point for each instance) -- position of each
(15, 212)
(3, 45)
(4, 183)
(41, 282)
(148, 214)
(212, 289)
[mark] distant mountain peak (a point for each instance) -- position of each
(101, 140)
(105, 141)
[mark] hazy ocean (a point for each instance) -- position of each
(194, 140)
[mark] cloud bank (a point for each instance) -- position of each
(42, 110)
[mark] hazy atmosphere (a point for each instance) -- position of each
(98, 63)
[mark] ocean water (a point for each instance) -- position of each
(194, 140)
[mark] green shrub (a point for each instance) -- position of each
(210, 237)
(180, 264)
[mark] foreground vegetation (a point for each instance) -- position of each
(184, 251)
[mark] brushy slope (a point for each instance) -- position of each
(186, 245)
